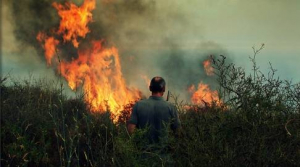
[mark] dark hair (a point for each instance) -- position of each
(157, 84)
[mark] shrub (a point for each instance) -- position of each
(259, 126)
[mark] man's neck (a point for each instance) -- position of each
(158, 94)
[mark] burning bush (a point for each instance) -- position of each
(40, 126)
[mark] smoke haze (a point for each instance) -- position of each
(167, 38)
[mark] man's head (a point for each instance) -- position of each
(157, 85)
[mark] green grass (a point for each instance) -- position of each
(260, 126)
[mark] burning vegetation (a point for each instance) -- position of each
(41, 126)
(96, 67)
(203, 95)
(209, 70)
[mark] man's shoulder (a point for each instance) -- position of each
(156, 102)
(142, 101)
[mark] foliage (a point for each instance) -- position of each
(259, 126)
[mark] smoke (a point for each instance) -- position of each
(184, 68)
(28, 18)
(153, 37)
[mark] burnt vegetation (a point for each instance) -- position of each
(258, 125)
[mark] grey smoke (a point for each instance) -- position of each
(151, 37)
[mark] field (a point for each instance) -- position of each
(257, 125)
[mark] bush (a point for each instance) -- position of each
(259, 126)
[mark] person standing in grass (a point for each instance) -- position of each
(154, 114)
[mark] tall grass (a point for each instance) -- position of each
(260, 126)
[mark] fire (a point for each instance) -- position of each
(50, 44)
(74, 20)
(97, 69)
(209, 70)
(204, 95)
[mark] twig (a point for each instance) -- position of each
(289, 121)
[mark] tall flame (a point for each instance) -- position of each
(50, 44)
(97, 69)
(74, 20)
(209, 70)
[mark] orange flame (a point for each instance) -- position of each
(50, 44)
(97, 69)
(204, 95)
(74, 20)
(209, 70)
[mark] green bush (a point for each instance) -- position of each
(257, 126)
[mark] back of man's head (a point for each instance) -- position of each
(157, 84)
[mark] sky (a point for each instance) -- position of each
(232, 27)
(238, 25)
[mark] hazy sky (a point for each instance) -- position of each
(240, 24)
(235, 25)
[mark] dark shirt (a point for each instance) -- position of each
(157, 114)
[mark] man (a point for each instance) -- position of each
(154, 113)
